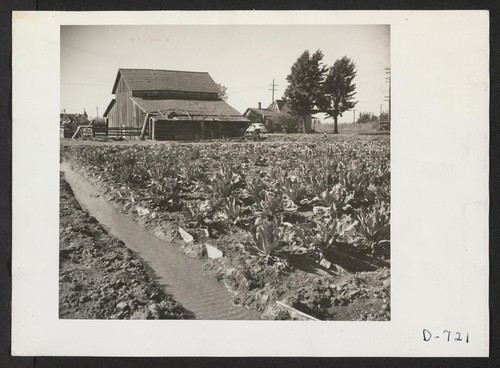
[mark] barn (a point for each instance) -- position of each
(172, 105)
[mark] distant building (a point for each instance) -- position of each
(172, 105)
(69, 122)
(73, 119)
(266, 115)
(260, 115)
(65, 118)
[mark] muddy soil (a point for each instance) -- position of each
(326, 294)
(99, 277)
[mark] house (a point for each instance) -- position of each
(260, 115)
(266, 116)
(65, 118)
(73, 119)
(172, 105)
(68, 123)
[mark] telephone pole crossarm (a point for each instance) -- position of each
(273, 89)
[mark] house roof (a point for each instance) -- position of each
(68, 117)
(166, 80)
(108, 109)
(218, 110)
(277, 105)
(266, 113)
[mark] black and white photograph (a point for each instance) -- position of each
(243, 179)
(250, 183)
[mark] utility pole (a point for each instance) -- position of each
(380, 110)
(97, 111)
(273, 89)
(353, 116)
(388, 80)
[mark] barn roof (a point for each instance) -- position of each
(217, 110)
(166, 80)
(110, 106)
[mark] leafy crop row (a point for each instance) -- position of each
(302, 198)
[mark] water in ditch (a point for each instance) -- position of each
(180, 276)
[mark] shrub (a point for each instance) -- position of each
(285, 123)
(366, 117)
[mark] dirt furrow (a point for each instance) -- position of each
(99, 277)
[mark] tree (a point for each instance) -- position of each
(383, 117)
(339, 90)
(305, 82)
(366, 117)
(223, 92)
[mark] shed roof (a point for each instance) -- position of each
(217, 110)
(166, 80)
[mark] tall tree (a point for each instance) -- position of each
(305, 83)
(339, 90)
(223, 92)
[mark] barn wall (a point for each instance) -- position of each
(172, 131)
(140, 115)
(126, 110)
(112, 117)
(122, 86)
(191, 130)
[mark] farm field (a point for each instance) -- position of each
(303, 220)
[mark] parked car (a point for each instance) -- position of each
(256, 128)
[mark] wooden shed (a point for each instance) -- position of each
(172, 105)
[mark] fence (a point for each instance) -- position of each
(89, 131)
(114, 132)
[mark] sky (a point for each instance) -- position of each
(244, 58)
